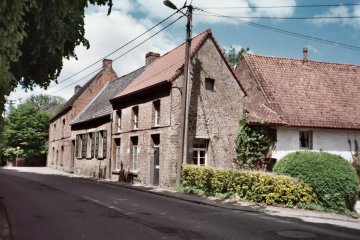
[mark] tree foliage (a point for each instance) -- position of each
(35, 37)
(234, 56)
(252, 144)
(26, 127)
(44, 102)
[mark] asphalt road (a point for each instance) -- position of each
(57, 207)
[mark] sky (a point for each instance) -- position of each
(261, 32)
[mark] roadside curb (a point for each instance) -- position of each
(4, 224)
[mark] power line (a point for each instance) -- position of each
(308, 37)
(290, 18)
(123, 53)
(134, 39)
(288, 6)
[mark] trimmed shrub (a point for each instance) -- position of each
(253, 186)
(333, 178)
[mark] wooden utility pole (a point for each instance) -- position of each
(185, 99)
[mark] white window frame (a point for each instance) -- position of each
(118, 121)
(156, 113)
(117, 157)
(136, 118)
(135, 157)
(198, 150)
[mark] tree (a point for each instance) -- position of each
(35, 37)
(234, 56)
(47, 103)
(26, 127)
(252, 144)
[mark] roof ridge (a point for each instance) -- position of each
(300, 59)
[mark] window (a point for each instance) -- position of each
(80, 146)
(209, 84)
(101, 144)
(306, 139)
(200, 151)
(156, 113)
(117, 155)
(118, 121)
(134, 153)
(135, 115)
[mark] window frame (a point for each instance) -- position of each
(135, 117)
(134, 153)
(156, 113)
(306, 140)
(198, 151)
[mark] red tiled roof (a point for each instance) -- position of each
(169, 66)
(311, 94)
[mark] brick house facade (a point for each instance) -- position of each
(61, 146)
(149, 112)
(91, 130)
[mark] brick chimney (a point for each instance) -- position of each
(305, 53)
(77, 88)
(107, 65)
(150, 57)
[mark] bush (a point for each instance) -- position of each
(333, 178)
(252, 186)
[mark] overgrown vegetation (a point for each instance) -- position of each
(25, 130)
(252, 144)
(251, 186)
(333, 178)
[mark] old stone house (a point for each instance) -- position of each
(148, 113)
(312, 105)
(61, 146)
(92, 130)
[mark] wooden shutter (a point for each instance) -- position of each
(104, 143)
(96, 144)
(84, 145)
(92, 144)
(77, 145)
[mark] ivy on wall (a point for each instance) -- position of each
(252, 144)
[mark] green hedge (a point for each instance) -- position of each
(333, 178)
(251, 186)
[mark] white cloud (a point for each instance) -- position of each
(156, 9)
(341, 11)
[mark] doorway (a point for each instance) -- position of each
(155, 166)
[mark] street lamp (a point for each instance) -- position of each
(17, 155)
(185, 90)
